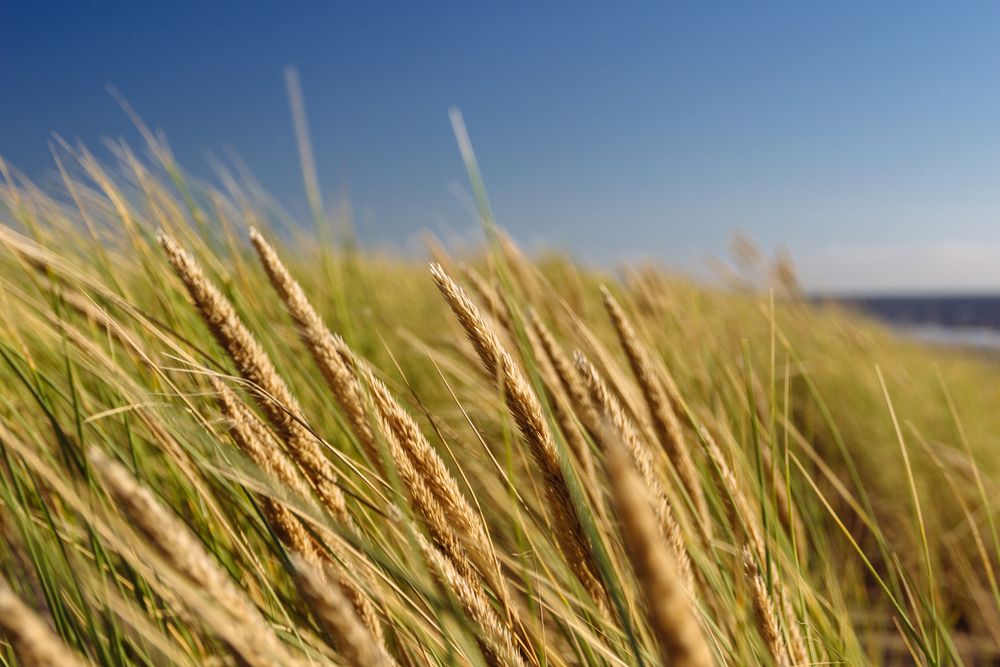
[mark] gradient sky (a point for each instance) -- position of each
(866, 138)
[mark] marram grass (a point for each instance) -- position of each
(222, 445)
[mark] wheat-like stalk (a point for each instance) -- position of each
(286, 525)
(796, 643)
(441, 524)
(665, 422)
(763, 610)
(573, 384)
(256, 441)
(527, 413)
(495, 638)
(252, 437)
(747, 523)
(559, 402)
(333, 609)
(418, 461)
(562, 408)
(671, 616)
(184, 552)
(488, 295)
(35, 644)
(275, 399)
(429, 508)
(737, 504)
(326, 348)
(625, 430)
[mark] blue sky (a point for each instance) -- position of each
(866, 138)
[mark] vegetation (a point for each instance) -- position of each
(220, 445)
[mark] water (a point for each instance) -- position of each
(956, 320)
(935, 334)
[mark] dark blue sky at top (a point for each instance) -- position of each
(614, 129)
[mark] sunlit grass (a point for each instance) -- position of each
(847, 476)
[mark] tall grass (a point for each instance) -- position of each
(212, 453)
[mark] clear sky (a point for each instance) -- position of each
(864, 136)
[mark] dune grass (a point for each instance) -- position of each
(223, 444)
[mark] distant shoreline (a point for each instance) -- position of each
(949, 311)
(970, 320)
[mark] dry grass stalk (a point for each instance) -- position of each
(764, 616)
(629, 435)
(421, 468)
(253, 439)
(275, 399)
(671, 617)
(35, 644)
(495, 638)
(737, 504)
(796, 643)
(527, 413)
(502, 311)
(665, 422)
(542, 356)
(496, 311)
(441, 524)
(746, 523)
(286, 525)
(353, 639)
(428, 507)
(561, 409)
(488, 296)
(326, 349)
(182, 549)
(568, 374)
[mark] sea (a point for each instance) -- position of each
(970, 320)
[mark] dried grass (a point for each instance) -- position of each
(671, 617)
(274, 396)
(667, 426)
(35, 644)
(327, 349)
(527, 413)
